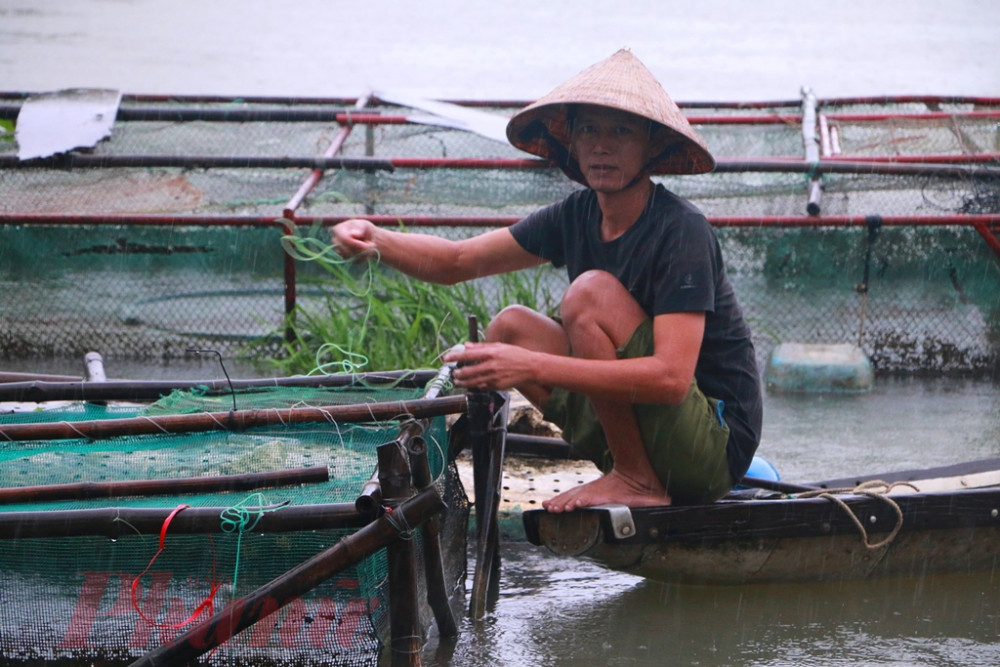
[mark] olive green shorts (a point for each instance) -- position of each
(686, 443)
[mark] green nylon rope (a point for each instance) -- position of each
(243, 517)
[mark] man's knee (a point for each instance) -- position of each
(509, 324)
(599, 297)
(520, 325)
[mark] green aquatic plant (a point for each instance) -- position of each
(6, 130)
(370, 317)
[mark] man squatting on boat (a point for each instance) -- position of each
(649, 369)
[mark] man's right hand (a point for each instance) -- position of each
(354, 238)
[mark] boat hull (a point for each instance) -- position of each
(788, 540)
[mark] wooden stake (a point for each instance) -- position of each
(406, 638)
(438, 596)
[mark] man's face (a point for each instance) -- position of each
(612, 147)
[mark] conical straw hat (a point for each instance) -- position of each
(620, 82)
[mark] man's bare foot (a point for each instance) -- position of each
(612, 488)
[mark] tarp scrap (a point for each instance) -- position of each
(60, 121)
(446, 114)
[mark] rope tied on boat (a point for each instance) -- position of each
(874, 489)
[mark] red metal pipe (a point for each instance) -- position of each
(314, 177)
(921, 99)
(917, 115)
(929, 159)
(856, 221)
(290, 284)
(293, 204)
(846, 101)
(989, 235)
(767, 119)
(840, 164)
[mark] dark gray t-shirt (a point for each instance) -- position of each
(670, 262)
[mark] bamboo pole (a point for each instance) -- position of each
(438, 596)
(159, 487)
(25, 387)
(238, 420)
(270, 597)
(404, 613)
(116, 522)
(487, 474)
(370, 497)
(487, 431)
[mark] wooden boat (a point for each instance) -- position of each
(908, 523)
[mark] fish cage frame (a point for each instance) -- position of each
(400, 498)
(818, 129)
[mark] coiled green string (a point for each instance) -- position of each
(311, 249)
(306, 248)
(243, 517)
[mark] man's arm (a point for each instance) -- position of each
(663, 377)
(432, 258)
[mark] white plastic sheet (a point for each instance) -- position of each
(60, 121)
(445, 114)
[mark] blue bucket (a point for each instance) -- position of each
(761, 468)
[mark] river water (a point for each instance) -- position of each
(555, 611)
(518, 49)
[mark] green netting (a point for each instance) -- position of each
(68, 412)
(69, 598)
(145, 291)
